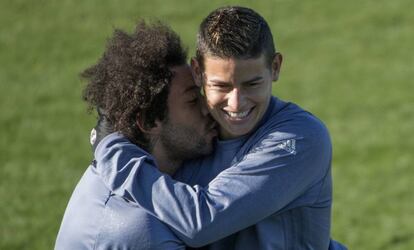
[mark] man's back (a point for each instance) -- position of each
(97, 219)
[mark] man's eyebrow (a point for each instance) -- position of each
(218, 81)
(190, 88)
(254, 79)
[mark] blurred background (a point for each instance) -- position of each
(349, 62)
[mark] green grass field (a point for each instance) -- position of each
(349, 62)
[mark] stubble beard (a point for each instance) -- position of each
(183, 143)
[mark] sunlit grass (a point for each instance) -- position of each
(349, 62)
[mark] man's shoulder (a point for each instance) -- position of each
(117, 158)
(291, 128)
(290, 118)
(118, 141)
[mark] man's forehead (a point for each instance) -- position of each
(211, 59)
(234, 69)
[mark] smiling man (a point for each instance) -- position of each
(238, 91)
(268, 184)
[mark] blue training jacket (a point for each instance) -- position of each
(271, 189)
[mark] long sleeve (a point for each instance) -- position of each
(271, 177)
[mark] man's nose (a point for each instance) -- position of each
(235, 99)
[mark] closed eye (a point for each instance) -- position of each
(253, 84)
(193, 98)
(193, 101)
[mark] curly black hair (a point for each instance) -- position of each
(133, 77)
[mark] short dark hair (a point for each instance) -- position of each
(234, 32)
(133, 77)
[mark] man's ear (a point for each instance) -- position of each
(196, 71)
(140, 121)
(276, 65)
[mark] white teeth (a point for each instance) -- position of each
(238, 115)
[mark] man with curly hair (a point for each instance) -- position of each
(143, 88)
(268, 184)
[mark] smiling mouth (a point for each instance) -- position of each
(237, 116)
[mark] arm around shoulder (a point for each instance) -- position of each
(277, 170)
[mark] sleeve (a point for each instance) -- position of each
(263, 182)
